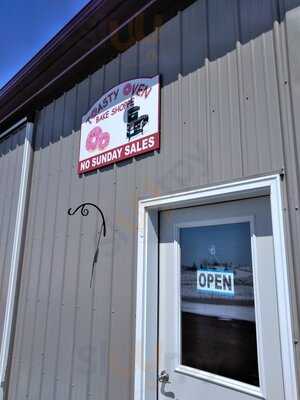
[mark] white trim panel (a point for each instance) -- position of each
(16, 255)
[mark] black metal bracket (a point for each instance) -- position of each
(85, 212)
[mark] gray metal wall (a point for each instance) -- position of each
(230, 74)
(11, 154)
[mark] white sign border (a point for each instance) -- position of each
(157, 134)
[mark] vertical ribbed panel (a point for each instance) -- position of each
(227, 112)
(286, 39)
(11, 155)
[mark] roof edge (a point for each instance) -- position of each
(79, 49)
(65, 32)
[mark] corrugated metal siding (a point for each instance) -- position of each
(226, 113)
(287, 36)
(11, 152)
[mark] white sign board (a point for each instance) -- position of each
(122, 124)
(218, 282)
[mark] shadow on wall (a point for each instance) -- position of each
(186, 40)
(11, 142)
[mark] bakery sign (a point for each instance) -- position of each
(122, 124)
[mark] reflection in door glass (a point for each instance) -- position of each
(218, 333)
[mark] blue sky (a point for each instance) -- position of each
(231, 243)
(26, 26)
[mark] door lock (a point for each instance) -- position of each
(164, 377)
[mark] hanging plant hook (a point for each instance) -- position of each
(85, 212)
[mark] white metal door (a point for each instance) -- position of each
(218, 319)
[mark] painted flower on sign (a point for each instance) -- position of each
(92, 139)
(127, 89)
(97, 139)
(104, 139)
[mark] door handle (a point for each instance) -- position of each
(164, 377)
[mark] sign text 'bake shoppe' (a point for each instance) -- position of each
(122, 124)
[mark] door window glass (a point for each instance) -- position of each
(218, 332)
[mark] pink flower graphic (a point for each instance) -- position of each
(127, 89)
(92, 139)
(103, 140)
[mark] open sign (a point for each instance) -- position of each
(219, 282)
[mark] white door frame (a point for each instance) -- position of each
(146, 335)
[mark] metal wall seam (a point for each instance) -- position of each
(16, 254)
